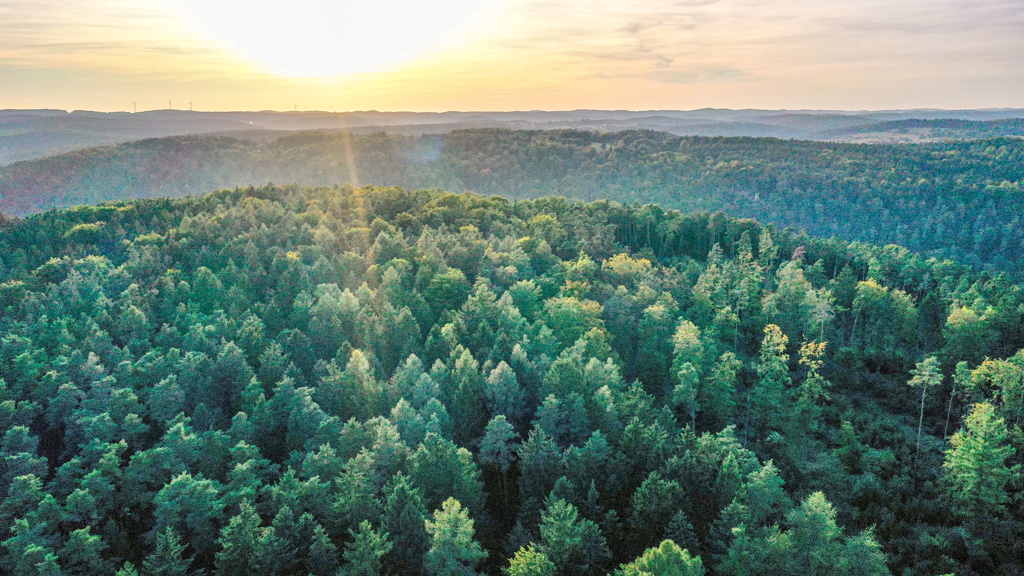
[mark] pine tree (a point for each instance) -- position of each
(685, 392)
(924, 376)
(404, 517)
(668, 559)
(504, 393)
(83, 554)
(241, 543)
(364, 553)
(453, 549)
(528, 561)
(716, 401)
(323, 554)
(812, 390)
(168, 557)
(575, 545)
(680, 531)
(767, 399)
(498, 445)
(976, 469)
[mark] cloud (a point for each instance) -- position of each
(539, 53)
(104, 35)
(684, 77)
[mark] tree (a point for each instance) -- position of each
(404, 517)
(168, 557)
(363, 554)
(528, 561)
(498, 449)
(668, 559)
(575, 545)
(504, 394)
(453, 549)
(323, 554)
(814, 387)
(717, 402)
(680, 530)
(768, 397)
(975, 465)
(685, 392)
(193, 508)
(813, 545)
(241, 543)
(814, 535)
(652, 507)
(967, 335)
(440, 469)
(924, 376)
(961, 376)
(498, 445)
(571, 318)
(83, 554)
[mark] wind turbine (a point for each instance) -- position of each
(135, 109)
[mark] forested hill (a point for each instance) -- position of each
(378, 381)
(960, 200)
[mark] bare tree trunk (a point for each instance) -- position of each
(952, 394)
(920, 423)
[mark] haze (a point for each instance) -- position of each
(510, 54)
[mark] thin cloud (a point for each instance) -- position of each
(573, 53)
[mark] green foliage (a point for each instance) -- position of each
(363, 554)
(529, 562)
(953, 199)
(168, 558)
(575, 545)
(290, 380)
(668, 559)
(453, 548)
(976, 470)
(768, 401)
(498, 446)
(812, 545)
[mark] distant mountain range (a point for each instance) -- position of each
(30, 134)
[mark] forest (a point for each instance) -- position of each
(364, 381)
(956, 200)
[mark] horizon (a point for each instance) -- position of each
(527, 111)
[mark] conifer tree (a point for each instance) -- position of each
(241, 543)
(454, 550)
(528, 561)
(404, 517)
(924, 376)
(976, 470)
(667, 559)
(767, 399)
(364, 553)
(168, 557)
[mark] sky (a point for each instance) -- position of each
(438, 55)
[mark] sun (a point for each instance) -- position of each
(321, 38)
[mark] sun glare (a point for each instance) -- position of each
(324, 38)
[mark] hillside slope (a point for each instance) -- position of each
(289, 381)
(960, 200)
(31, 134)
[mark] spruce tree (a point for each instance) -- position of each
(454, 550)
(975, 465)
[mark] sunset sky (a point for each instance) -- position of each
(511, 54)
